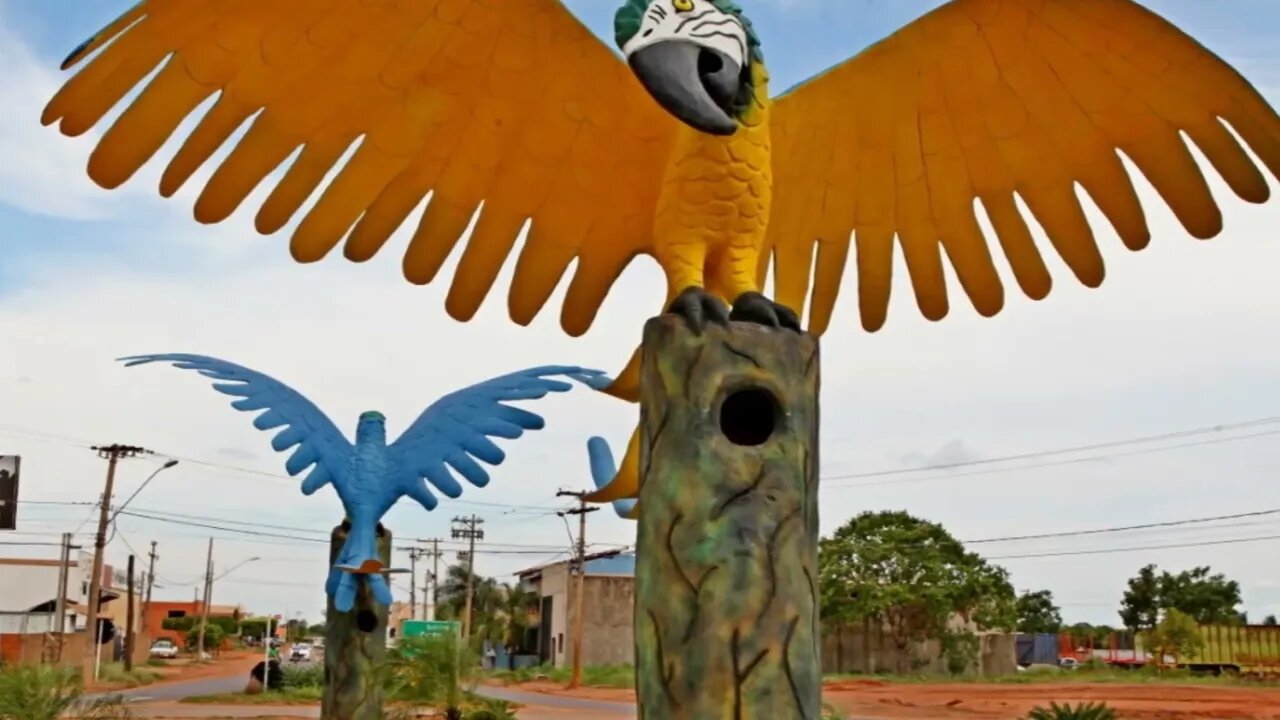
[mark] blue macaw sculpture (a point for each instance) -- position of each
(371, 475)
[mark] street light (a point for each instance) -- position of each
(237, 567)
(141, 487)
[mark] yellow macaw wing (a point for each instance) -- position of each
(514, 104)
(988, 99)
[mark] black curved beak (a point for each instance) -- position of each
(696, 84)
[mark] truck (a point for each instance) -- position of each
(1237, 649)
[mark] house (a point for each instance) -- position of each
(159, 611)
(609, 600)
(29, 624)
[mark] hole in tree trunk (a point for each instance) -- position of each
(366, 621)
(749, 416)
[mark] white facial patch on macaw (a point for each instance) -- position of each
(696, 21)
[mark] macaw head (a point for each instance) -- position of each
(694, 57)
(372, 428)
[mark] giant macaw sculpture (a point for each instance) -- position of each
(371, 475)
(684, 155)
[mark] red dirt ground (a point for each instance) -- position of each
(875, 700)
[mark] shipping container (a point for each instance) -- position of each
(1037, 649)
(1243, 649)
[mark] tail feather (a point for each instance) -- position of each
(614, 485)
(358, 561)
(627, 385)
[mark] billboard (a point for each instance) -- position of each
(9, 465)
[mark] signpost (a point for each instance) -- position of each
(9, 466)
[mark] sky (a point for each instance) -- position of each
(1184, 336)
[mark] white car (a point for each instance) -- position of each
(164, 649)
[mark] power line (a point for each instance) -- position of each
(1053, 463)
(1124, 528)
(54, 438)
(1108, 551)
(1063, 451)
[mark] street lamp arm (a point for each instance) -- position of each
(142, 487)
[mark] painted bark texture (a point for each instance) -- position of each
(726, 605)
(355, 645)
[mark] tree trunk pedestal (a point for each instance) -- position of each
(355, 645)
(726, 618)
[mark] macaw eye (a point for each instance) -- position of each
(682, 6)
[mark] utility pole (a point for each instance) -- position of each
(467, 528)
(204, 611)
(580, 561)
(112, 454)
(413, 583)
(60, 607)
(435, 553)
(151, 581)
(128, 620)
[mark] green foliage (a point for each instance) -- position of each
(47, 693)
(213, 635)
(1083, 711)
(830, 713)
(1177, 634)
(1038, 614)
(430, 670)
(1270, 621)
(1208, 599)
(910, 574)
(1100, 634)
(960, 651)
(115, 674)
(228, 625)
(491, 709)
(299, 677)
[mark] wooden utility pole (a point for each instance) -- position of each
(129, 636)
(60, 606)
(435, 578)
(151, 581)
(467, 528)
(413, 583)
(580, 565)
(112, 454)
(204, 611)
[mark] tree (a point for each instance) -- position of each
(910, 575)
(1270, 621)
(1038, 614)
(515, 610)
(1140, 606)
(1208, 599)
(1096, 636)
(213, 635)
(1177, 634)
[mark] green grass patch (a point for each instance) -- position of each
(115, 674)
(602, 676)
(295, 696)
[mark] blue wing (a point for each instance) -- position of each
(453, 434)
(603, 471)
(319, 442)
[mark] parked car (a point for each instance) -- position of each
(164, 649)
(301, 653)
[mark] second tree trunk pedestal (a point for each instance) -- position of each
(355, 645)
